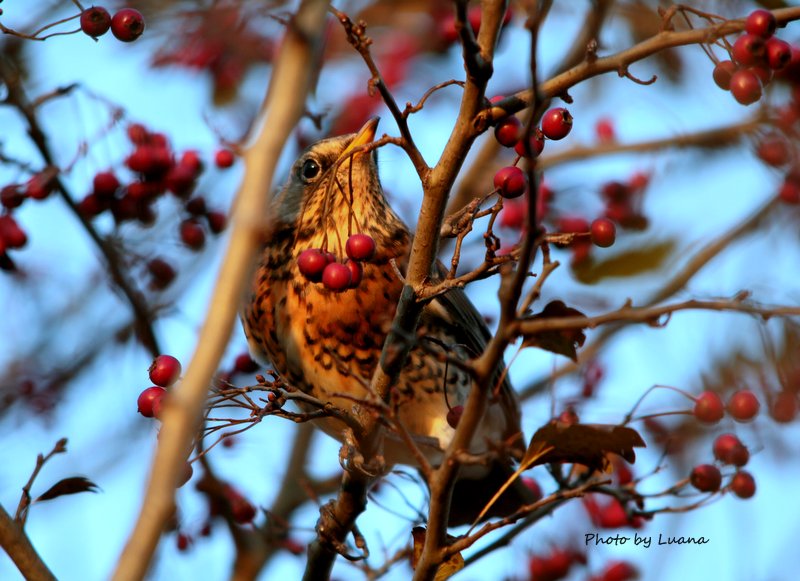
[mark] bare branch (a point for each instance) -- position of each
(283, 108)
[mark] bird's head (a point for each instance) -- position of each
(333, 191)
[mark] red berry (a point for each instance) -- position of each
(165, 370)
(216, 221)
(149, 399)
(603, 232)
(556, 123)
(743, 484)
(613, 516)
(11, 234)
(790, 191)
(773, 149)
(706, 478)
(784, 407)
(618, 571)
(92, 206)
(241, 510)
(192, 234)
(150, 160)
(245, 364)
(191, 159)
(360, 247)
(708, 407)
(531, 147)
(511, 181)
(11, 196)
(127, 24)
(779, 53)
(180, 180)
(749, 50)
(161, 272)
(95, 21)
(760, 23)
(311, 263)
(745, 87)
(39, 187)
(604, 128)
(763, 73)
(559, 564)
(105, 184)
(513, 214)
(356, 272)
(454, 415)
(183, 541)
(137, 133)
(722, 74)
(728, 449)
(616, 191)
(336, 276)
(507, 131)
(572, 225)
(532, 485)
(224, 158)
(196, 206)
(743, 405)
(474, 18)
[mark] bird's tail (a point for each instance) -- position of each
(471, 495)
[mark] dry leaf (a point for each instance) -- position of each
(640, 260)
(586, 444)
(563, 342)
(72, 485)
(447, 569)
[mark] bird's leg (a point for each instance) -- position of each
(351, 459)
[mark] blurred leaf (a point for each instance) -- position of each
(586, 444)
(634, 262)
(447, 569)
(72, 485)
(563, 342)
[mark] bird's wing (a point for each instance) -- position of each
(459, 311)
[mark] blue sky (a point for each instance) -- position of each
(692, 199)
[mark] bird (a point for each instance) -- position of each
(326, 341)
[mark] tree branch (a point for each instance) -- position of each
(620, 61)
(283, 108)
(19, 548)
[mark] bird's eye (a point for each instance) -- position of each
(310, 170)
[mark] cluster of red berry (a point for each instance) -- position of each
(164, 372)
(511, 181)
(203, 42)
(780, 147)
(755, 57)
(318, 265)
(126, 25)
(743, 406)
(157, 171)
(12, 196)
(226, 500)
(611, 514)
(623, 201)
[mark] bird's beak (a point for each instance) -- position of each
(364, 136)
